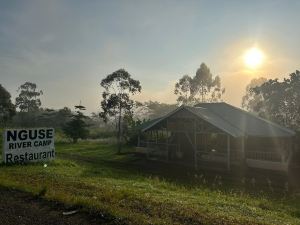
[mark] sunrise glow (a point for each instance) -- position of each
(253, 58)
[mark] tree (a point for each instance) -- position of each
(54, 118)
(280, 101)
(208, 87)
(77, 128)
(184, 90)
(157, 109)
(250, 100)
(203, 87)
(118, 88)
(7, 109)
(28, 99)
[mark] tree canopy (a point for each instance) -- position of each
(7, 108)
(76, 127)
(28, 99)
(203, 87)
(251, 100)
(279, 100)
(116, 97)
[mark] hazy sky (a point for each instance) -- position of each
(67, 47)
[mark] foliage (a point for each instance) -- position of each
(76, 128)
(7, 109)
(118, 88)
(280, 101)
(157, 109)
(203, 87)
(91, 177)
(250, 100)
(184, 90)
(131, 130)
(206, 86)
(42, 118)
(28, 100)
(54, 118)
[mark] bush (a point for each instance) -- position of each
(98, 133)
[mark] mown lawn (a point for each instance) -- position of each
(91, 176)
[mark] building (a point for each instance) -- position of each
(217, 135)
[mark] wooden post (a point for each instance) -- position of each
(228, 152)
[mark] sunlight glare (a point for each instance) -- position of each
(253, 58)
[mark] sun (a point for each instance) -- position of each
(253, 58)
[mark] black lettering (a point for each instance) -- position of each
(8, 158)
(36, 156)
(50, 133)
(32, 134)
(21, 158)
(11, 135)
(16, 158)
(42, 134)
(22, 135)
(11, 146)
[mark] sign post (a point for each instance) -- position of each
(28, 145)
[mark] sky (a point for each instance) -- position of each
(67, 46)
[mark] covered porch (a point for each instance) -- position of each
(187, 138)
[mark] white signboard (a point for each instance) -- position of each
(28, 145)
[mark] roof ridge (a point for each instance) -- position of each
(257, 117)
(216, 114)
(210, 111)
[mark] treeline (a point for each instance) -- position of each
(120, 115)
(278, 101)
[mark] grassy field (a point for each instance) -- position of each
(91, 176)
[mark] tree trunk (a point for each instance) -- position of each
(119, 132)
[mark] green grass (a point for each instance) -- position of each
(92, 176)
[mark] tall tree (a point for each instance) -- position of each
(118, 88)
(28, 99)
(76, 128)
(7, 109)
(206, 87)
(184, 90)
(203, 87)
(251, 100)
(280, 100)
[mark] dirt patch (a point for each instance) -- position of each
(24, 209)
